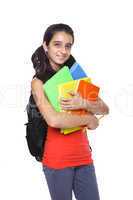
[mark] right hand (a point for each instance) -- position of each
(74, 102)
(93, 122)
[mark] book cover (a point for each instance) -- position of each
(88, 91)
(77, 71)
(51, 86)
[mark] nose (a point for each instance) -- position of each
(63, 50)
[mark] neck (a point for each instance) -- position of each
(55, 66)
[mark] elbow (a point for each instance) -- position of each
(106, 110)
(103, 111)
(53, 122)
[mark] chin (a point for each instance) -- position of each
(60, 62)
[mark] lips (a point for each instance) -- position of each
(61, 57)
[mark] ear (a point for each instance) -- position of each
(45, 47)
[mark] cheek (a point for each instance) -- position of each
(52, 53)
(68, 55)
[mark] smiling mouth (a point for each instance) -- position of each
(61, 57)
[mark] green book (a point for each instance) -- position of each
(51, 86)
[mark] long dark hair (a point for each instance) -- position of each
(39, 58)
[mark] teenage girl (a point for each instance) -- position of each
(67, 162)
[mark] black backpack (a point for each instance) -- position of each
(36, 130)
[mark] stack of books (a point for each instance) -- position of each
(66, 81)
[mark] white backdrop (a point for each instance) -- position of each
(104, 46)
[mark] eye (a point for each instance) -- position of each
(57, 44)
(68, 46)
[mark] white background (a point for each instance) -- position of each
(104, 46)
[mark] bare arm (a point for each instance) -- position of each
(77, 102)
(58, 119)
(97, 107)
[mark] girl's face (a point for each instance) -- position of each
(59, 49)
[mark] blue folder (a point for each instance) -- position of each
(77, 71)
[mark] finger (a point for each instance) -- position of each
(66, 107)
(65, 99)
(72, 93)
(68, 102)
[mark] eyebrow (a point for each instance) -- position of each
(61, 42)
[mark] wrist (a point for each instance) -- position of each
(87, 105)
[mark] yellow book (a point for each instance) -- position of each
(64, 90)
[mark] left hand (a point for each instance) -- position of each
(73, 103)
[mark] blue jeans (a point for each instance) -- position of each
(81, 180)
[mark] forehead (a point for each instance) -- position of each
(62, 37)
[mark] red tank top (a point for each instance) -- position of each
(70, 150)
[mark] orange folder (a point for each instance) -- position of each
(88, 91)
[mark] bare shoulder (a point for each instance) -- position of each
(36, 83)
(37, 89)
